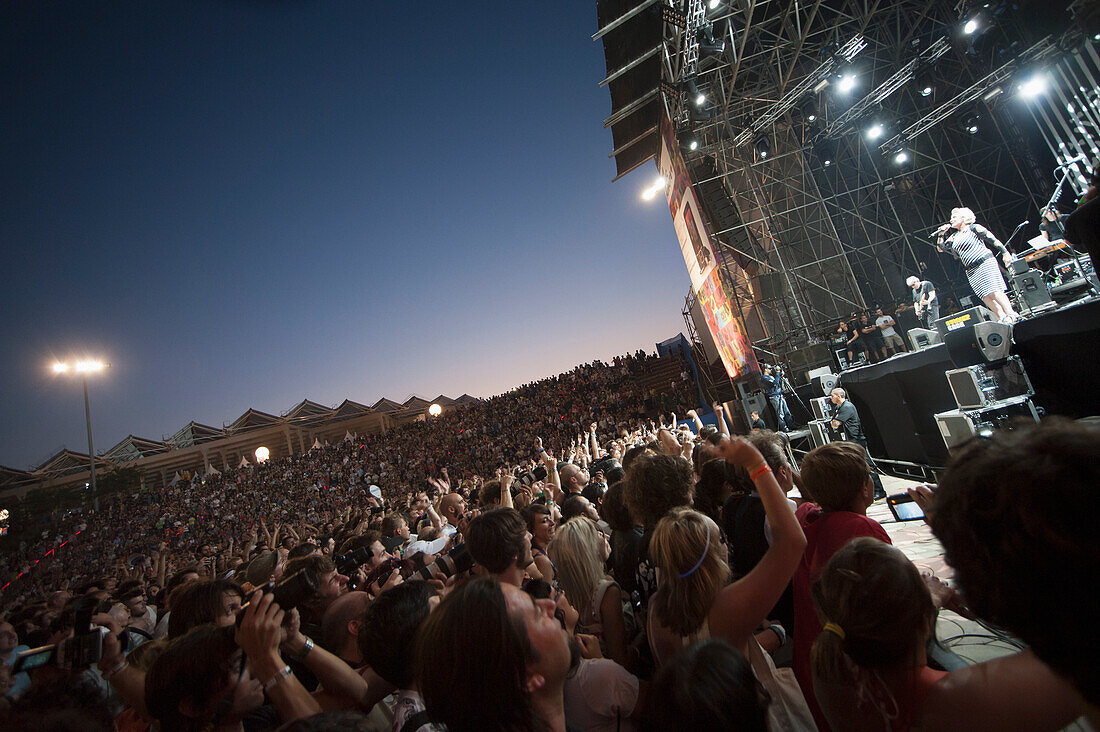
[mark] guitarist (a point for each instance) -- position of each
(925, 301)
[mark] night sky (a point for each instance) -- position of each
(247, 203)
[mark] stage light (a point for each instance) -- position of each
(693, 144)
(262, 454)
(827, 162)
(875, 131)
(808, 107)
(1033, 86)
(847, 83)
(699, 99)
(901, 157)
(992, 94)
(60, 368)
(85, 367)
(713, 4)
(435, 410)
(763, 146)
(970, 26)
(972, 124)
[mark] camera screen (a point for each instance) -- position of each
(34, 659)
(908, 511)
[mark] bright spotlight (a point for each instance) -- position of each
(700, 99)
(60, 368)
(84, 367)
(847, 83)
(693, 145)
(827, 162)
(901, 157)
(970, 26)
(435, 410)
(926, 90)
(875, 131)
(713, 4)
(1033, 86)
(262, 454)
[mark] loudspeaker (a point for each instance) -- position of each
(770, 286)
(923, 338)
(1032, 290)
(963, 319)
(982, 343)
(825, 383)
(755, 402)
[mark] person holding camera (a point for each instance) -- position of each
(773, 389)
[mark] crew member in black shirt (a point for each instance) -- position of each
(847, 418)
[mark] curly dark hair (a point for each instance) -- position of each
(1013, 514)
(656, 484)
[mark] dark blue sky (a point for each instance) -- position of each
(243, 203)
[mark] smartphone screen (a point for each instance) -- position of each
(904, 508)
(34, 658)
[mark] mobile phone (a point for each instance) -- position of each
(34, 658)
(904, 507)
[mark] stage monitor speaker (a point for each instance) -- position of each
(1019, 266)
(824, 384)
(755, 402)
(923, 338)
(1032, 289)
(822, 406)
(821, 433)
(819, 371)
(982, 343)
(963, 319)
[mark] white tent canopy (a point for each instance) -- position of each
(211, 470)
(244, 462)
(316, 444)
(175, 479)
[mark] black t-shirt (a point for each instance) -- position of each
(743, 517)
(1054, 229)
(858, 344)
(1083, 229)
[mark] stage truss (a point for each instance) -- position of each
(827, 223)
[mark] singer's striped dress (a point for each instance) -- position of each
(969, 247)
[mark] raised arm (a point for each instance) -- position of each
(594, 444)
(506, 480)
(720, 413)
(695, 418)
(336, 677)
(740, 607)
(259, 637)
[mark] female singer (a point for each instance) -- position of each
(971, 243)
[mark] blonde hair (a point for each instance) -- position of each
(682, 541)
(965, 214)
(575, 550)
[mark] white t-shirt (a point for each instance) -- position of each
(886, 319)
(600, 696)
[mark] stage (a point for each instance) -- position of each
(898, 398)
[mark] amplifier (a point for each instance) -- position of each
(959, 425)
(963, 319)
(980, 385)
(1032, 290)
(822, 407)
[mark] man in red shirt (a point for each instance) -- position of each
(838, 481)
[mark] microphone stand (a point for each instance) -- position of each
(1015, 231)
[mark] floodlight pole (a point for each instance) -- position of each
(91, 451)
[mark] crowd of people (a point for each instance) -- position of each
(556, 558)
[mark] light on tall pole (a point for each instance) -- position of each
(84, 368)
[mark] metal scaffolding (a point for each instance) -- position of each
(823, 219)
